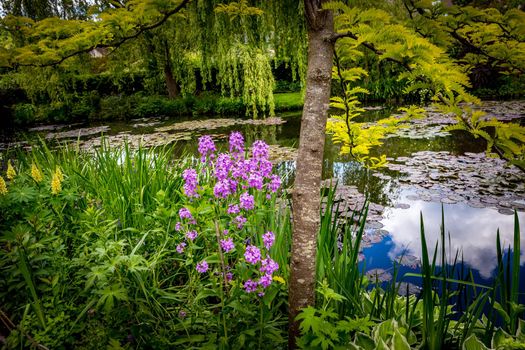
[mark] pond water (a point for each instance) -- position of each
(428, 168)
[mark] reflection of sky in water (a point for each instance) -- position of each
(472, 230)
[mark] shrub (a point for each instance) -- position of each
(24, 113)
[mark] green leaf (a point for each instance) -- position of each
(473, 343)
(399, 341)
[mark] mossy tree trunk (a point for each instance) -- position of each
(306, 192)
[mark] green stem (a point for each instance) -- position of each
(260, 324)
(223, 279)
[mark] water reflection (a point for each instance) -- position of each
(472, 230)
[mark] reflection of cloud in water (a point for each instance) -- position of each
(472, 230)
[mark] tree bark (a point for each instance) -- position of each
(306, 192)
(171, 83)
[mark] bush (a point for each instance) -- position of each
(24, 113)
(230, 106)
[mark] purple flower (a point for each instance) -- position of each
(178, 226)
(260, 294)
(265, 280)
(268, 266)
(268, 239)
(222, 189)
(182, 314)
(202, 267)
(252, 254)
(265, 167)
(185, 214)
(223, 165)
(191, 235)
(227, 245)
(275, 183)
(255, 181)
(190, 182)
(236, 142)
(260, 150)
(225, 232)
(233, 209)
(250, 286)
(180, 247)
(240, 220)
(233, 185)
(229, 276)
(246, 201)
(206, 147)
(242, 168)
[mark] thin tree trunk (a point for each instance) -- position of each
(306, 192)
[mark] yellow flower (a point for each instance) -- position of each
(56, 181)
(11, 173)
(3, 187)
(59, 174)
(36, 174)
(279, 279)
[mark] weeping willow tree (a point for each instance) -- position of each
(231, 44)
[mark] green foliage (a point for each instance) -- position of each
(357, 138)
(97, 264)
(506, 140)
(348, 312)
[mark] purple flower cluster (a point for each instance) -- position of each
(236, 143)
(227, 245)
(206, 148)
(268, 266)
(202, 267)
(180, 247)
(240, 221)
(237, 181)
(260, 150)
(185, 214)
(275, 183)
(268, 239)
(233, 209)
(252, 254)
(250, 286)
(190, 182)
(246, 201)
(191, 235)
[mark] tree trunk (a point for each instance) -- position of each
(171, 83)
(306, 192)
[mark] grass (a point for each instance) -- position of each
(288, 101)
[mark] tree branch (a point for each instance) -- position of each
(114, 45)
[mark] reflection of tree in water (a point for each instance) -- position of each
(352, 173)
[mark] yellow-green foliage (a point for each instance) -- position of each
(506, 140)
(426, 66)
(357, 138)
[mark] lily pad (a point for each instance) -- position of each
(378, 275)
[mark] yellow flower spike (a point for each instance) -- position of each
(56, 182)
(36, 174)
(11, 173)
(3, 187)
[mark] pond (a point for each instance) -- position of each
(428, 170)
